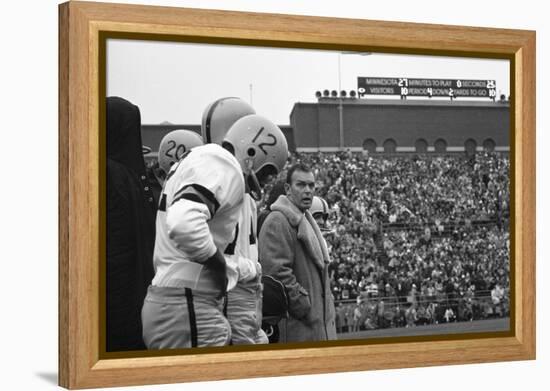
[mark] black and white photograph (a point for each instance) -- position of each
(420, 187)
(262, 195)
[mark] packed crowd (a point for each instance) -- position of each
(423, 279)
(416, 239)
(416, 190)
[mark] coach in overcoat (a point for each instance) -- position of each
(293, 251)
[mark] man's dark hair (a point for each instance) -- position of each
(277, 190)
(296, 167)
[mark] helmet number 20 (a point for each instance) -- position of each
(180, 150)
(265, 144)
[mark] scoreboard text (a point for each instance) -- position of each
(451, 88)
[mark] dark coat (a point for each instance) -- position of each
(290, 251)
(130, 228)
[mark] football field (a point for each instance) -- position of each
(477, 326)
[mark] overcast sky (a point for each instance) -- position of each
(174, 82)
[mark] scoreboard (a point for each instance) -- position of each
(402, 86)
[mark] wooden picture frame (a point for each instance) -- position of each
(82, 26)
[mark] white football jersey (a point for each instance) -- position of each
(242, 253)
(188, 232)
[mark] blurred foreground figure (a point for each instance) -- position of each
(130, 227)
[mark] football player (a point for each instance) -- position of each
(267, 151)
(201, 201)
(243, 305)
(320, 211)
(172, 147)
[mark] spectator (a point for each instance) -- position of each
(422, 315)
(357, 316)
(410, 315)
(380, 311)
(449, 315)
(340, 318)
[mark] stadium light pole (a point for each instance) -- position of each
(340, 102)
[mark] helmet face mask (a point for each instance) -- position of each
(320, 215)
(255, 182)
(266, 175)
(322, 221)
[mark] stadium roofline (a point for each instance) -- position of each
(406, 102)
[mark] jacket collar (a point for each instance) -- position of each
(307, 230)
(291, 211)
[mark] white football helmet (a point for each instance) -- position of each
(174, 145)
(319, 210)
(220, 115)
(319, 205)
(260, 147)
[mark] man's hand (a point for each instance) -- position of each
(216, 263)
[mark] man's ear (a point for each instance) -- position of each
(287, 188)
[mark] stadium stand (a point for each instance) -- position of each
(416, 239)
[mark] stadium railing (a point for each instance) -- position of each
(395, 314)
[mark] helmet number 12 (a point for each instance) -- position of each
(264, 144)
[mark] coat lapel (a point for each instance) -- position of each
(307, 236)
(305, 226)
